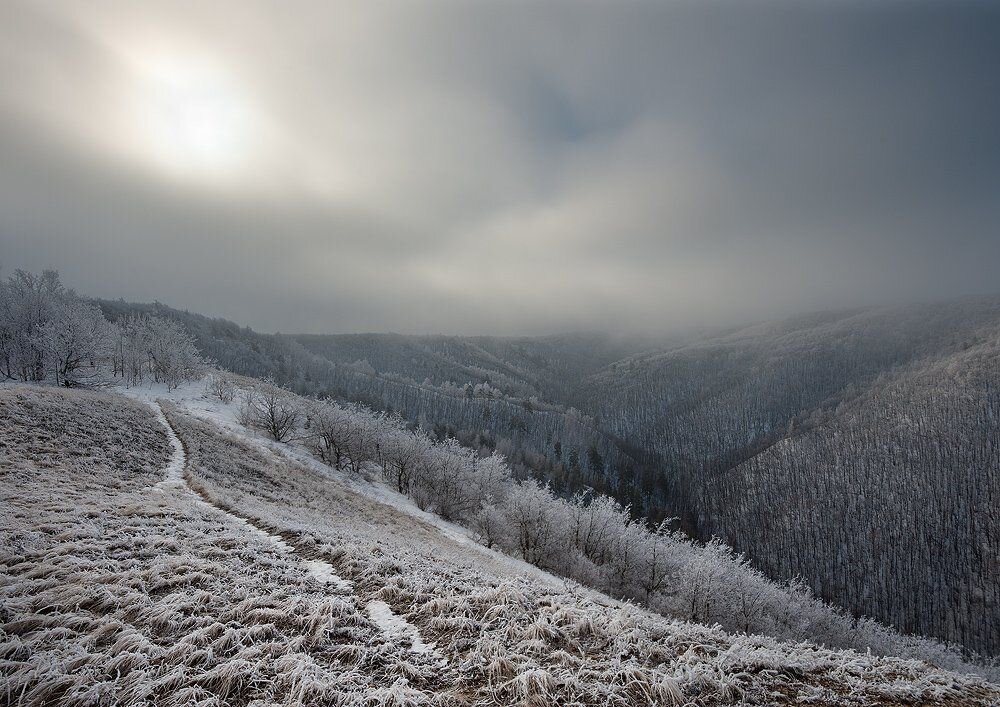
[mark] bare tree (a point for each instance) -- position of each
(221, 386)
(272, 411)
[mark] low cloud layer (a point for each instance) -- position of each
(502, 167)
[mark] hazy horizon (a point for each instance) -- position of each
(502, 168)
(653, 334)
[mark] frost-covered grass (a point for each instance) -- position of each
(510, 634)
(114, 590)
(590, 539)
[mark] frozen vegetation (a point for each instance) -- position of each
(924, 450)
(48, 333)
(587, 537)
(857, 451)
(388, 558)
(117, 588)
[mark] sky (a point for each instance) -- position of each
(504, 167)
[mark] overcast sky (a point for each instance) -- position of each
(502, 167)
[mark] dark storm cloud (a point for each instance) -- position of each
(510, 167)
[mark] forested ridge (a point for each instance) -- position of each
(859, 452)
(845, 447)
(891, 506)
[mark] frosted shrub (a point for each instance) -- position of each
(221, 386)
(271, 410)
(455, 482)
(404, 453)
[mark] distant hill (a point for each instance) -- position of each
(889, 502)
(859, 450)
(545, 367)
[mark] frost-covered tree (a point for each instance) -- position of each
(365, 437)
(50, 333)
(535, 529)
(331, 432)
(404, 452)
(271, 410)
(75, 340)
(173, 356)
(131, 346)
(27, 302)
(221, 386)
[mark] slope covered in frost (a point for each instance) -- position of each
(118, 591)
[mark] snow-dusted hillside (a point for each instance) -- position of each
(711, 429)
(859, 452)
(193, 563)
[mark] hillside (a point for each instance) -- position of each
(212, 568)
(899, 485)
(858, 451)
(695, 431)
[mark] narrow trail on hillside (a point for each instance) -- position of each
(393, 626)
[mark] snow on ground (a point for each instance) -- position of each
(173, 475)
(396, 627)
(112, 595)
(324, 573)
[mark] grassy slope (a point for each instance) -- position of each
(115, 591)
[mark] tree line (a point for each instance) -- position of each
(49, 333)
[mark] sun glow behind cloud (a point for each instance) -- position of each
(193, 117)
(187, 116)
(201, 117)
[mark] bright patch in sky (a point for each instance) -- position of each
(190, 117)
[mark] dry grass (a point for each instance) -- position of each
(116, 593)
(511, 635)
